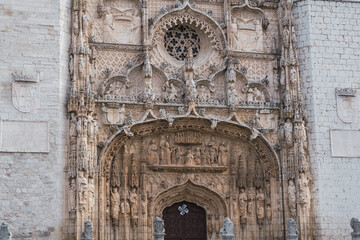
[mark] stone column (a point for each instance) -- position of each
(355, 225)
(4, 232)
(88, 231)
(292, 235)
(159, 233)
(227, 231)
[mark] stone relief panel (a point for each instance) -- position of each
(122, 26)
(121, 21)
(247, 29)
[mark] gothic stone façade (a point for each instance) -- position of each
(194, 101)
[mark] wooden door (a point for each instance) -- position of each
(185, 221)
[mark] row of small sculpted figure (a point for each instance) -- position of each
(226, 232)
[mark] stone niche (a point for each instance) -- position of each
(219, 170)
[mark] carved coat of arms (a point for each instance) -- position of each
(25, 92)
(346, 104)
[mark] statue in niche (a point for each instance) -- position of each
(203, 92)
(233, 97)
(293, 76)
(134, 204)
(255, 95)
(122, 115)
(260, 205)
(134, 177)
(223, 154)
(115, 205)
(125, 207)
(165, 151)
(180, 156)
(91, 193)
(172, 92)
(213, 151)
(144, 205)
(72, 195)
(292, 197)
(153, 157)
(251, 198)
(268, 190)
(190, 158)
(197, 155)
(242, 205)
(205, 156)
(268, 212)
(304, 190)
(288, 128)
(82, 187)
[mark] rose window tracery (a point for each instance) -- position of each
(178, 39)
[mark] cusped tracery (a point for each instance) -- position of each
(179, 39)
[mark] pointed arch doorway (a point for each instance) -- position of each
(185, 221)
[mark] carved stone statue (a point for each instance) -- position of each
(179, 155)
(292, 198)
(159, 230)
(134, 203)
(72, 195)
(91, 193)
(223, 154)
(213, 151)
(205, 156)
(82, 187)
(197, 155)
(355, 225)
(153, 157)
(115, 205)
(292, 235)
(88, 230)
(242, 205)
(165, 151)
(304, 191)
(190, 158)
(134, 176)
(268, 212)
(4, 232)
(227, 231)
(260, 205)
(251, 197)
(288, 127)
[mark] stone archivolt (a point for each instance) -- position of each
(222, 118)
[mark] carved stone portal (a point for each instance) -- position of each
(189, 162)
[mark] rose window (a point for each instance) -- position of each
(179, 39)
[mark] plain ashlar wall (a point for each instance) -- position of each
(35, 37)
(328, 35)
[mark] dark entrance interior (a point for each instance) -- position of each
(185, 221)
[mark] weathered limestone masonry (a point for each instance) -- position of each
(328, 43)
(33, 92)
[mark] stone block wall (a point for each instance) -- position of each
(34, 38)
(328, 35)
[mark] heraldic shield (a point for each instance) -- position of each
(25, 94)
(346, 104)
